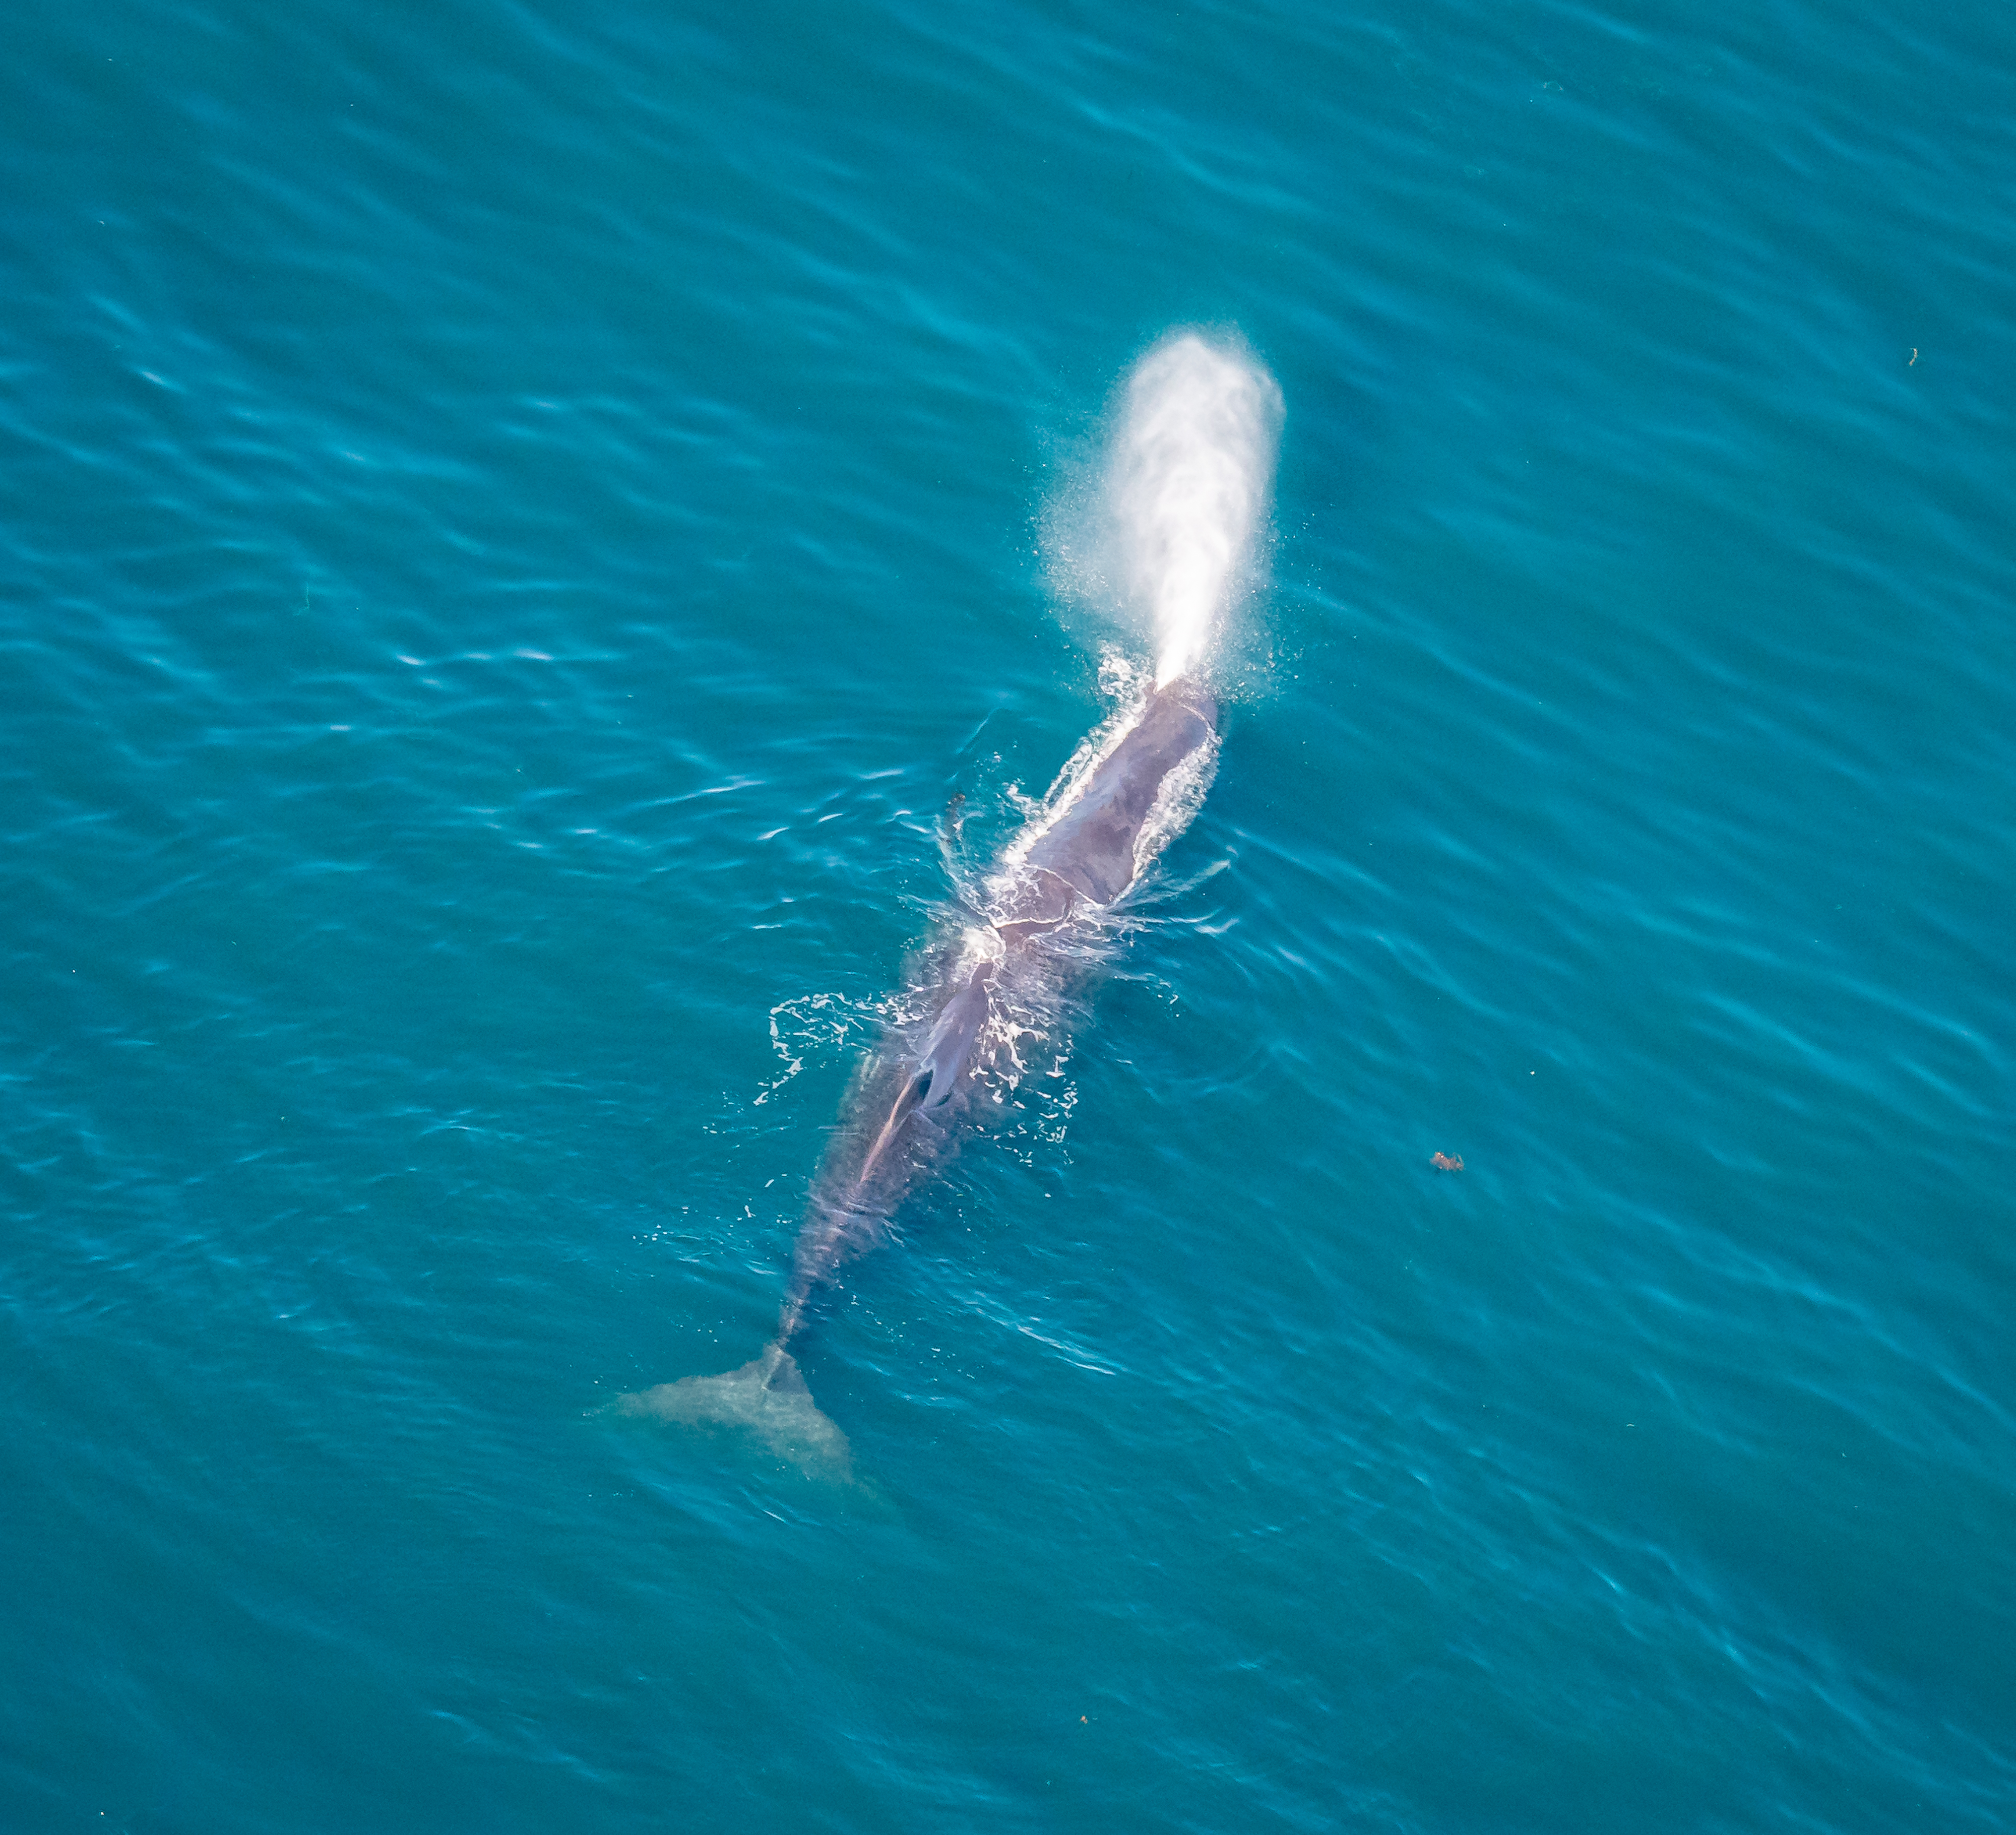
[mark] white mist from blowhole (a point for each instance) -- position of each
(1190, 474)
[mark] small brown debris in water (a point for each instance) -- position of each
(1442, 1163)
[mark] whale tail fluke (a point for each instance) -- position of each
(767, 1396)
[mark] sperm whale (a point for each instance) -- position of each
(1082, 859)
(1187, 482)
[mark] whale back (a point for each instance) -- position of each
(1091, 844)
(945, 1052)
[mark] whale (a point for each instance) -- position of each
(1072, 868)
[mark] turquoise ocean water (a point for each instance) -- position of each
(516, 520)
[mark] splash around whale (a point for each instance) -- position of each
(1189, 476)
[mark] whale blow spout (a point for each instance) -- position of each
(1192, 474)
(766, 1397)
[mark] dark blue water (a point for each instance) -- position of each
(517, 518)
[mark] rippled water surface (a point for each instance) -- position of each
(518, 519)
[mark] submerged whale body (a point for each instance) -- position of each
(1087, 853)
